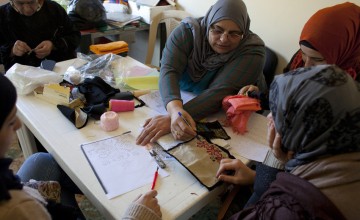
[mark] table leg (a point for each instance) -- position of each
(26, 140)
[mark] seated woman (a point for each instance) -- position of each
(213, 57)
(330, 36)
(18, 201)
(21, 202)
(313, 131)
(32, 31)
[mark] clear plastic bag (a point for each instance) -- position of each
(107, 66)
(27, 78)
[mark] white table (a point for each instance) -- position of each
(180, 194)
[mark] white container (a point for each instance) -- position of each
(148, 12)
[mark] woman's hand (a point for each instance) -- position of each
(243, 175)
(154, 128)
(274, 141)
(43, 49)
(20, 48)
(244, 90)
(182, 127)
(150, 201)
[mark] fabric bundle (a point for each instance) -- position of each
(238, 110)
(115, 47)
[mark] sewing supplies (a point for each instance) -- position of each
(155, 178)
(109, 121)
(157, 158)
(121, 105)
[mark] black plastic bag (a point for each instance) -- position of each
(87, 14)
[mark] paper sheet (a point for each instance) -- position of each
(253, 144)
(120, 165)
(153, 100)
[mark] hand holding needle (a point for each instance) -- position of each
(184, 119)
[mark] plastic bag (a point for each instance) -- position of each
(27, 78)
(87, 14)
(106, 67)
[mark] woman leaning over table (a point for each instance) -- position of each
(314, 133)
(213, 57)
(330, 36)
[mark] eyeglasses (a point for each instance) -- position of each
(21, 4)
(232, 35)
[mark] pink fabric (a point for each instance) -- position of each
(238, 111)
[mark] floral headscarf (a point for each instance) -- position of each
(316, 111)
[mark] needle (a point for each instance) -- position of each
(184, 119)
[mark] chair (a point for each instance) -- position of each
(271, 62)
(172, 19)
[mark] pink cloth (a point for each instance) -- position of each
(238, 111)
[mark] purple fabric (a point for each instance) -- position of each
(290, 197)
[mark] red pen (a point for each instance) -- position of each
(155, 178)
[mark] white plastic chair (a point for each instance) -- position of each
(172, 19)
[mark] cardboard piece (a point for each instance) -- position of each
(54, 93)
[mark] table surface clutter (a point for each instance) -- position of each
(83, 155)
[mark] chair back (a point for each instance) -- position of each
(172, 19)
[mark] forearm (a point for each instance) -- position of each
(173, 63)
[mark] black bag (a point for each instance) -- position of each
(87, 14)
(96, 90)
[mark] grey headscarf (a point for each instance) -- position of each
(316, 111)
(203, 58)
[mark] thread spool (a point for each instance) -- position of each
(109, 121)
(121, 105)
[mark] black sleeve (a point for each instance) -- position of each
(67, 37)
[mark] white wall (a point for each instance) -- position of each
(277, 22)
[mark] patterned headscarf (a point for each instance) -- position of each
(335, 33)
(203, 58)
(316, 111)
(7, 98)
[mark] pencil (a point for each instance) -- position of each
(155, 178)
(184, 119)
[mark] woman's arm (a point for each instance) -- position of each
(229, 80)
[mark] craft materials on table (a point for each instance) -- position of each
(109, 121)
(201, 158)
(157, 158)
(121, 105)
(120, 165)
